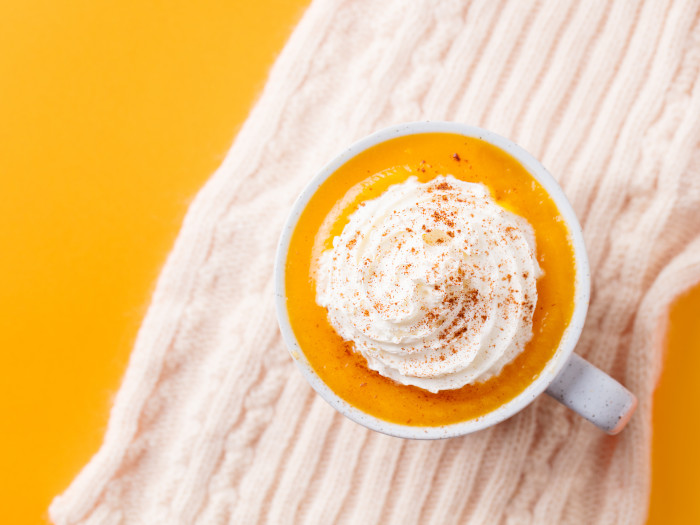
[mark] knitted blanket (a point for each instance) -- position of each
(213, 423)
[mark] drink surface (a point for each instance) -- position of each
(365, 177)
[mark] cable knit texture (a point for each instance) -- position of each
(213, 424)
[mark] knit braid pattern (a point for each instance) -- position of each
(214, 425)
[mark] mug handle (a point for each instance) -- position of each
(593, 394)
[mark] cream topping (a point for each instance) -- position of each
(435, 283)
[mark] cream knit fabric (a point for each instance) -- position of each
(213, 424)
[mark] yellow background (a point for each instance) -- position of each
(112, 115)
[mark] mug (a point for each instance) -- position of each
(567, 377)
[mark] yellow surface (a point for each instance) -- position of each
(675, 497)
(112, 115)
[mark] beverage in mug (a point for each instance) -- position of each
(432, 280)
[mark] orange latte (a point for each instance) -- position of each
(368, 175)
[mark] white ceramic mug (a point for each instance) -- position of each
(566, 377)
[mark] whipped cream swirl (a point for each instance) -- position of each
(435, 283)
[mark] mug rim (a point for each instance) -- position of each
(554, 364)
